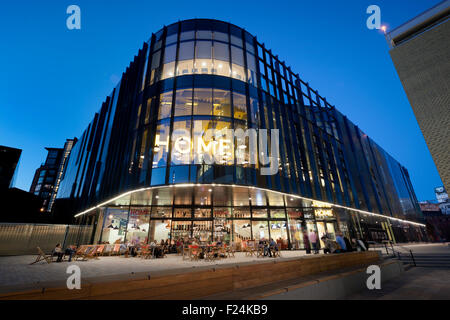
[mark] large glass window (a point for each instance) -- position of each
(115, 226)
(251, 69)
(138, 224)
(278, 232)
(203, 57)
(186, 58)
(165, 105)
(181, 142)
(240, 106)
(200, 128)
(221, 36)
(159, 230)
(161, 145)
(169, 62)
(221, 59)
(203, 101)
(156, 60)
(181, 230)
(241, 230)
(202, 230)
(183, 102)
(221, 103)
(260, 230)
(237, 68)
(224, 152)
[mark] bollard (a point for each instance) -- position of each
(412, 256)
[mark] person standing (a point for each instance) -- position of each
(313, 238)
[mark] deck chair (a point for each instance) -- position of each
(260, 252)
(185, 252)
(80, 253)
(276, 252)
(250, 248)
(143, 251)
(43, 257)
(91, 252)
(116, 250)
(231, 249)
(99, 250)
(194, 252)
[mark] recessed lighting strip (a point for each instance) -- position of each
(184, 185)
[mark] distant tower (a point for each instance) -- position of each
(48, 176)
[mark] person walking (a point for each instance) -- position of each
(313, 238)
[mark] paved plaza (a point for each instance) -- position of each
(17, 274)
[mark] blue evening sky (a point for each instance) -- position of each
(53, 80)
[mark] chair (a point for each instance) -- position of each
(99, 250)
(260, 252)
(108, 250)
(91, 252)
(116, 250)
(185, 252)
(250, 248)
(143, 251)
(276, 252)
(230, 250)
(43, 257)
(194, 253)
(80, 253)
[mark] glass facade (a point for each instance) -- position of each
(201, 74)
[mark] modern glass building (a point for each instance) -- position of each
(136, 172)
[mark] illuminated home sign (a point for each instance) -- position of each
(323, 213)
(222, 147)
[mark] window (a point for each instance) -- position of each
(236, 40)
(260, 230)
(165, 105)
(251, 71)
(186, 50)
(183, 102)
(221, 103)
(170, 53)
(203, 55)
(221, 36)
(172, 38)
(221, 59)
(240, 106)
(199, 129)
(161, 145)
(181, 143)
(169, 61)
(204, 34)
(187, 35)
(254, 110)
(147, 113)
(202, 101)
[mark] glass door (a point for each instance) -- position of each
(321, 232)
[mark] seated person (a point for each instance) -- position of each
(273, 245)
(57, 251)
(267, 251)
(331, 246)
(70, 250)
